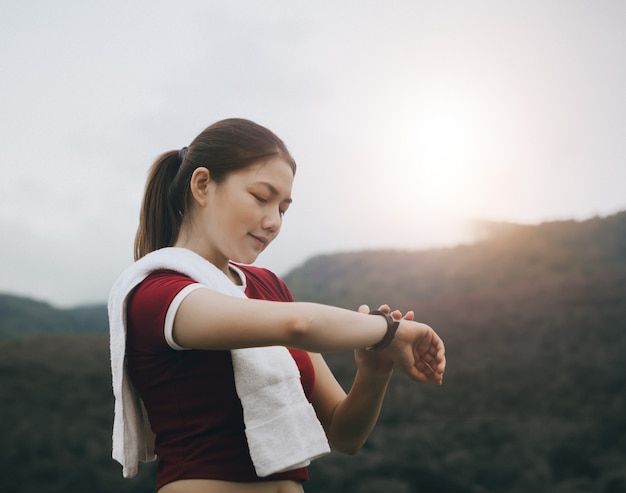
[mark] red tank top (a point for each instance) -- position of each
(190, 395)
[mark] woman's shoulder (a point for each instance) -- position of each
(159, 288)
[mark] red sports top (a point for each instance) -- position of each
(190, 395)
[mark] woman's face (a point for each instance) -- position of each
(243, 214)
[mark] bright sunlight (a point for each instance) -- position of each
(446, 156)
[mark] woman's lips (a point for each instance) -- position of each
(262, 241)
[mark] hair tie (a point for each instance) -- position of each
(181, 155)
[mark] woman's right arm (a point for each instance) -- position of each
(207, 319)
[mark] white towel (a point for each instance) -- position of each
(282, 429)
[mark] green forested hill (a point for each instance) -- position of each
(511, 257)
(534, 321)
(20, 317)
(57, 410)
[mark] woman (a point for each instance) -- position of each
(201, 373)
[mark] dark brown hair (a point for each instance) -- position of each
(226, 146)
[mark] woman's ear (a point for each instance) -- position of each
(199, 184)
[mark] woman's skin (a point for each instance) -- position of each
(235, 220)
(213, 486)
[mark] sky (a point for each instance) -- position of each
(407, 118)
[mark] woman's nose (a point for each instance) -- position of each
(272, 220)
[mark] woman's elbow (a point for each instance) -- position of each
(298, 332)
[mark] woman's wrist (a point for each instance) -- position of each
(375, 375)
(392, 327)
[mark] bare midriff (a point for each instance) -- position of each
(215, 486)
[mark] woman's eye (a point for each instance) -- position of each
(260, 199)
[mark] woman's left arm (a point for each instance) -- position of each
(349, 419)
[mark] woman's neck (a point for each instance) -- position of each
(219, 261)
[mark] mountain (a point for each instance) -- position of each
(534, 322)
(20, 316)
(510, 257)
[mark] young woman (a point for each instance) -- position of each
(201, 374)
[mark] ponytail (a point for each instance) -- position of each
(159, 219)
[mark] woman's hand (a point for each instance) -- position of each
(418, 351)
